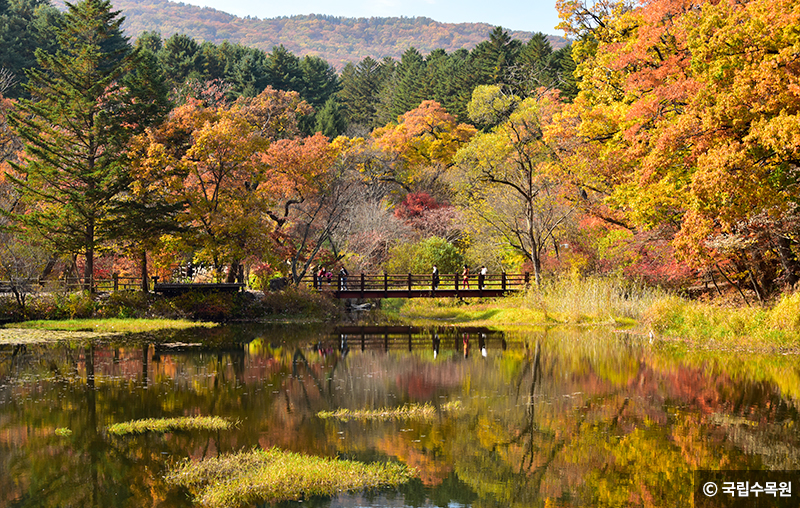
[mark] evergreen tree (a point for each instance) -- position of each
(411, 83)
(320, 81)
(565, 67)
(492, 58)
(284, 70)
(362, 86)
(75, 169)
(330, 121)
(24, 26)
(182, 59)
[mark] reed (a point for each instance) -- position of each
(162, 425)
(272, 476)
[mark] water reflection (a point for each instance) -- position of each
(552, 418)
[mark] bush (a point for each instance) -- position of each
(204, 306)
(299, 300)
(127, 304)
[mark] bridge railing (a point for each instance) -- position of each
(410, 282)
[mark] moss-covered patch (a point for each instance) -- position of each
(406, 412)
(162, 425)
(273, 475)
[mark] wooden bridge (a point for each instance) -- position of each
(422, 286)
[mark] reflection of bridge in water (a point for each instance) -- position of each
(413, 338)
(422, 286)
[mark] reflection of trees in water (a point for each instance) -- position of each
(581, 421)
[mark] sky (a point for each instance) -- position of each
(528, 15)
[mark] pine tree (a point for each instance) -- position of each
(330, 121)
(75, 127)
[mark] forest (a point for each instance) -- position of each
(661, 146)
(337, 40)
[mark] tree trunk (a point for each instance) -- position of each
(537, 269)
(145, 275)
(88, 271)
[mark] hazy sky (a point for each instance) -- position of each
(529, 15)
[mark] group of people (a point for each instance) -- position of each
(324, 275)
(464, 277)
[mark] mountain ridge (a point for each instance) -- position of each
(336, 39)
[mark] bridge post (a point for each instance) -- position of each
(115, 276)
(362, 284)
(455, 279)
(503, 281)
(409, 285)
(527, 279)
(385, 285)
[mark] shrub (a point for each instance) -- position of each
(299, 300)
(786, 314)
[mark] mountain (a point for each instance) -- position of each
(338, 40)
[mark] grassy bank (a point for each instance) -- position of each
(617, 303)
(111, 325)
(294, 304)
(272, 476)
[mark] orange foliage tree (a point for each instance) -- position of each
(687, 122)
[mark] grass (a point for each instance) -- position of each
(272, 476)
(111, 325)
(744, 329)
(560, 301)
(407, 412)
(163, 425)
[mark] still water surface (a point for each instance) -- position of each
(546, 418)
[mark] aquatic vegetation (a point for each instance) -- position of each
(185, 424)
(407, 412)
(63, 432)
(274, 475)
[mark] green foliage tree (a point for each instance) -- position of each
(75, 167)
(420, 257)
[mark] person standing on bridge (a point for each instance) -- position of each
(435, 278)
(482, 277)
(343, 279)
(465, 277)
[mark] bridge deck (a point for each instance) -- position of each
(422, 286)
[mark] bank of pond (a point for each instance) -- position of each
(243, 415)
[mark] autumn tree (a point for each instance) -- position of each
(507, 185)
(420, 146)
(670, 133)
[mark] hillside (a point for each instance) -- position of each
(337, 40)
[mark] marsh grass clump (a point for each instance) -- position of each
(406, 412)
(421, 412)
(272, 476)
(162, 425)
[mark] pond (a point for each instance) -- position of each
(534, 418)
